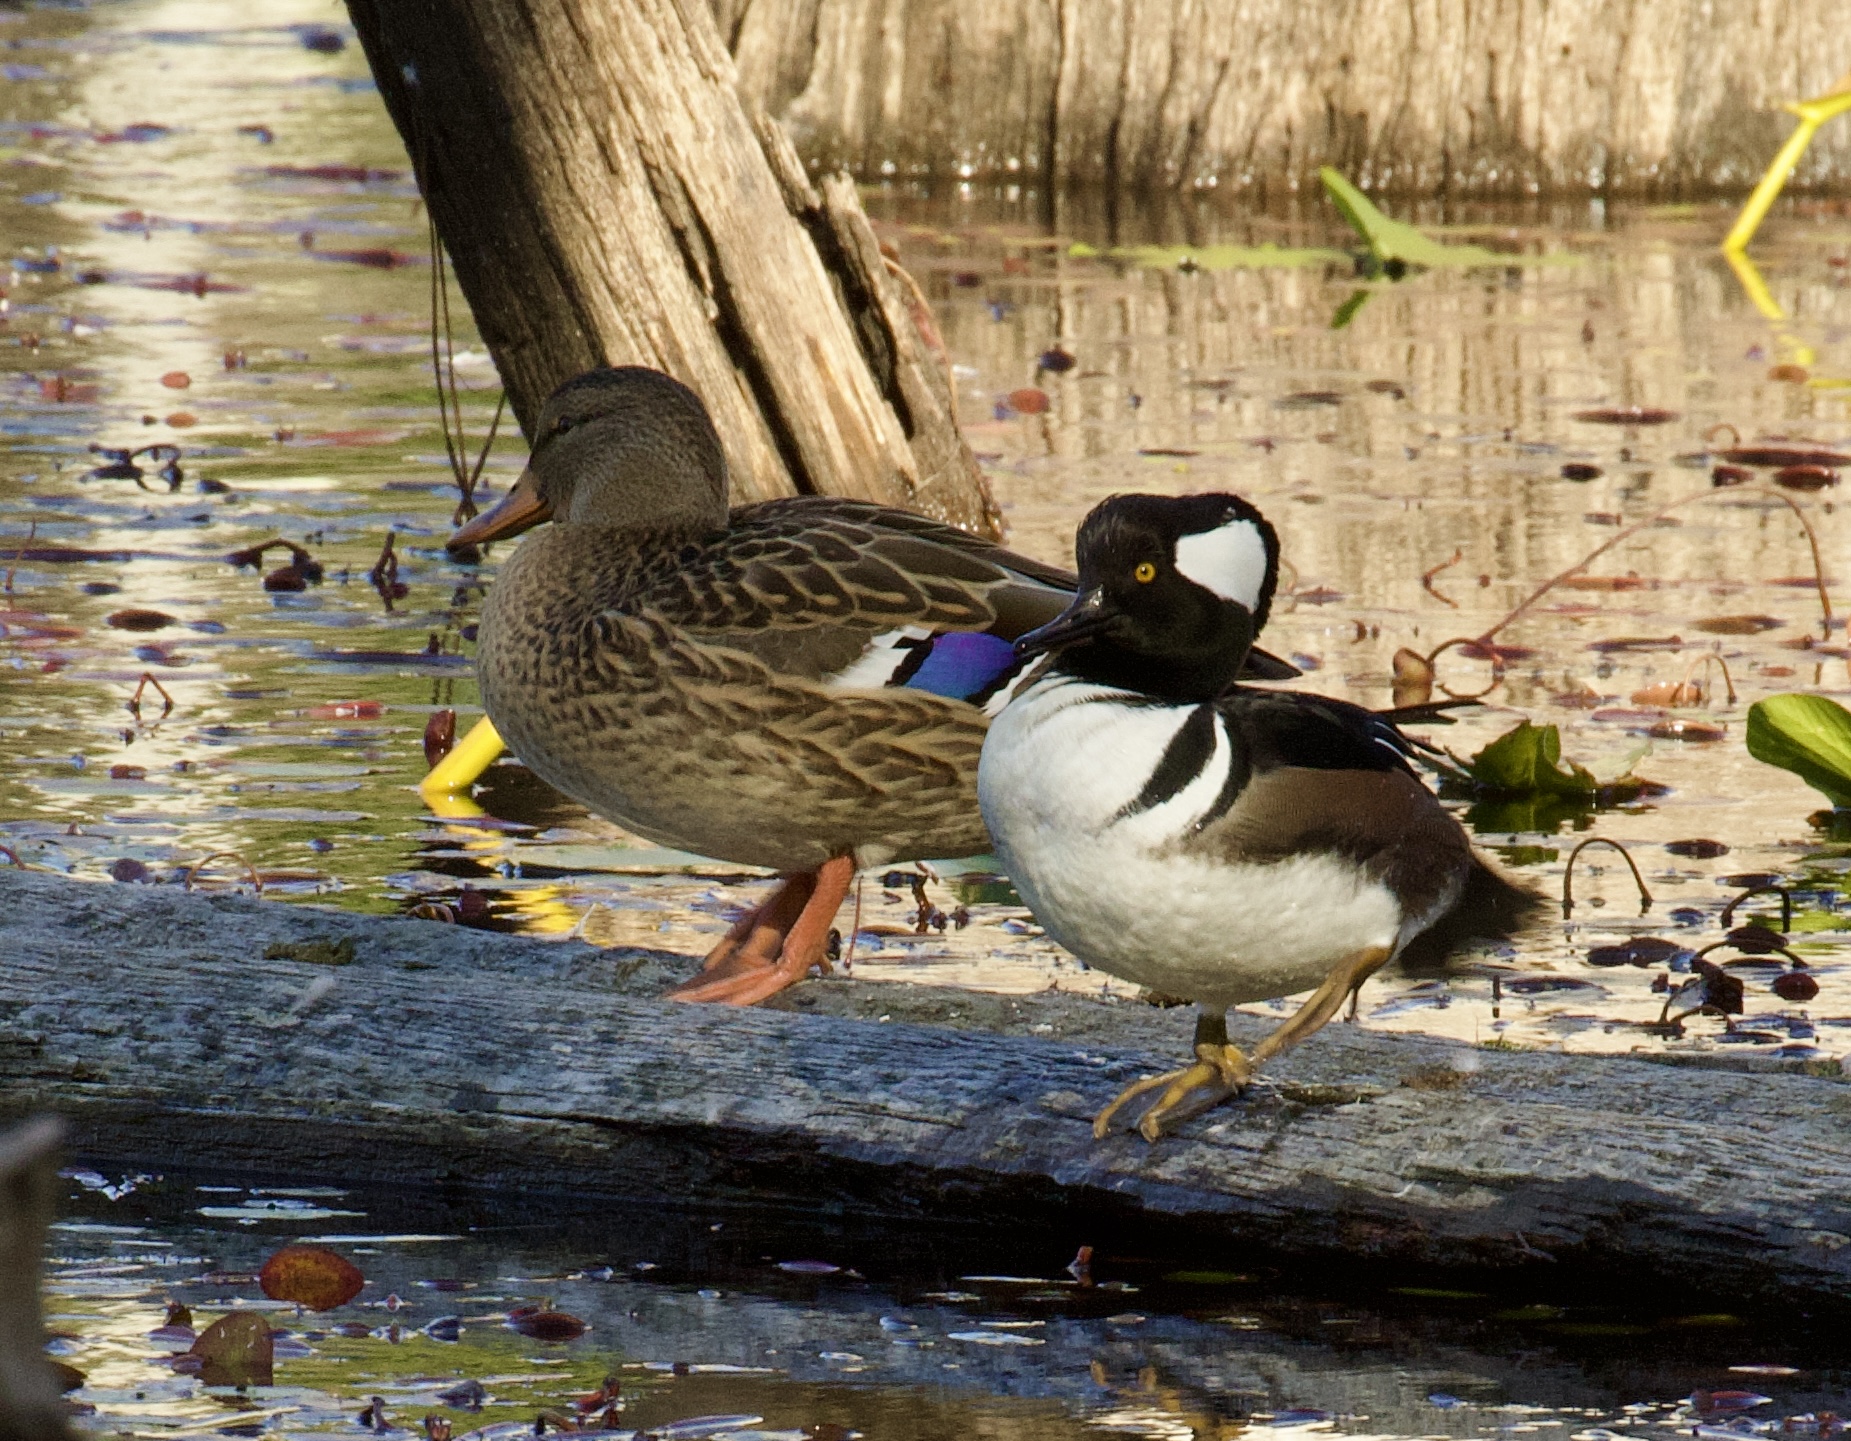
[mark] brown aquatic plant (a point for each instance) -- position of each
(1568, 874)
(1427, 577)
(193, 870)
(384, 574)
(141, 686)
(449, 394)
(1483, 642)
(1769, 889)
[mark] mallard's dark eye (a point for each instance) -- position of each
(562, 425)
(1144, 573)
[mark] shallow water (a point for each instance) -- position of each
(227, 206)
(829, 1328)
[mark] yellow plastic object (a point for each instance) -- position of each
(457, 772)
(1812, 113)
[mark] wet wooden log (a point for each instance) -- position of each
(605, 197)
(1578, 98)
(172, 1029)
(31, 1408)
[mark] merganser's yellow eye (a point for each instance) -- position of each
(1145, 572)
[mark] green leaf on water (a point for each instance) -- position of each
(1395, 242)
(1808, 735)
(1214, 257)
(1527, 761)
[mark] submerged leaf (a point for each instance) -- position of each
(1808, 735)
(234, 1350)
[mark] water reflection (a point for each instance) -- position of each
(818, 1328)
(214, 243)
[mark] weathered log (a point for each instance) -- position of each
(1510, 97)
(173, 1029)
(606, 198)
(30, 1406)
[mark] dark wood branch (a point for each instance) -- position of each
(173, 1028)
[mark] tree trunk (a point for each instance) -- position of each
(1511, 97)
(443, 1056)
(30, 1406)
(606, 198)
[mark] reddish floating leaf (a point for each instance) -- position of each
(1777, 455)
(1698, 850)
(439, 735)
(1791, 374)
(176, 380)
(548, 1325)
(1686, 730)
(347, 710)
(311, 1276)
(128, 773)
(1738, 624)
(1626, 415)
(1730, 475)
(1028, 400)
(234, 1350)
(1805, 477)
(1795, 986)
(140, 620)
(182, 420)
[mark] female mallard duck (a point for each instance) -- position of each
(799, 684)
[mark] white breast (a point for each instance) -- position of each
(1059, 768)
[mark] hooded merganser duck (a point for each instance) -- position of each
(1204, 839)
(799, 684)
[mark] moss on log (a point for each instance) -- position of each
(173, 1029)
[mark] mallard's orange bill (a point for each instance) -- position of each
(520, 509)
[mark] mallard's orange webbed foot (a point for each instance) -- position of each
(776, 945)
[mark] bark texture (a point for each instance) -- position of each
(1430, 97)
(30, 1406)
(606, 198)
(179, 1029)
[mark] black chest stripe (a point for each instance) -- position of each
(1239, 773)
(1184, 758)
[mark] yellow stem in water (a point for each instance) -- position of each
(1813, 113)
(468, 758)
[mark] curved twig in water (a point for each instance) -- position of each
(1568, 874)
(13, 856)
(1426, 579)
(1786, 904)
(193, 870)
(1685, 687)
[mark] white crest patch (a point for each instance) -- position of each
(1229, 560)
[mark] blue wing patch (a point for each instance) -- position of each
(963, 665)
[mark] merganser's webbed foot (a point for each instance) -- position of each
(1220, 1071)
(776, 945)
